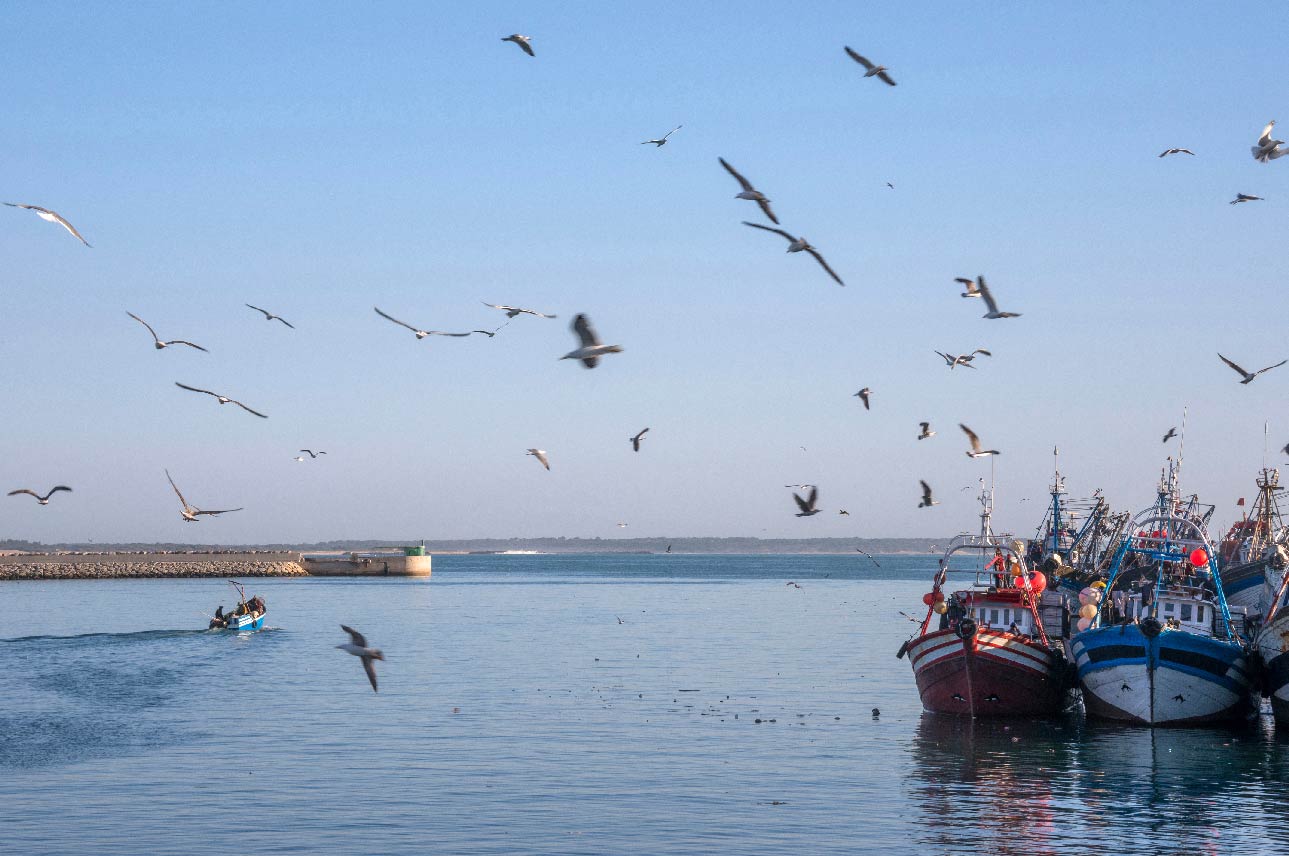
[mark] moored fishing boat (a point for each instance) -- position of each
(1253, 553)
(989, 653)
(249, 614)
(1273, 650)
(1159, 648)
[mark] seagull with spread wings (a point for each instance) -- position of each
(421, 334)
(1168, 152)
(190, 513)
(927, 499)
(990, 304)
(976, 451)
(807, 505)
(51, 217)
(513, 311)
(43, 500)
(878, 71)
(540, 455)
(635, 441)
(1245, 197)
(1172, 432)
(973, 290)
(591, 349)
(157, 339)
(926, 432)
(1249, 376)
(662, 141)
(357, 645)
(269, 316)
(312, 455)
(750, 192)
(222, 399)
(523, 42)
(797, 245)
(1268, 149)
(863, 395)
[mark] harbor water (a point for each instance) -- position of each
(584, 704)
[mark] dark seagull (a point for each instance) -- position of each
(222, 399)
(750, 192)
(1172, 432)
(190, 513)
(863, 395)
(797, 245)
(635, 441)
(269, 316)
(523, 42)
(1244, 197)
(312, 454)
(976, 451)
(421, 334)
(157, 339)
(870, 558)
(1166, 152)
(662, 141)
(807, 506)
(357, 645)
(927, 499)
(878, 71)
(43, 500)
(591, 350)
(1249, 376)
(51, 217)
(926, 431)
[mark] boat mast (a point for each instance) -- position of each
(1057, 489)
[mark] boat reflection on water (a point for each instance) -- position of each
(1065, 786)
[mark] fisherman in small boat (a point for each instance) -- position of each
(219, 621)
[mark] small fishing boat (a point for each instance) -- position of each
(989, 653)
(249, 614)
(1254, 551)
(1273, 649)
(1159, 647)
(1075, 539)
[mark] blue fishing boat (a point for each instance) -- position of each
(1158, 647)
(1273, 650)
(1253, 554)
(249, 614)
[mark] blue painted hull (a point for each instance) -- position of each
(246, 622)
(1175, 678)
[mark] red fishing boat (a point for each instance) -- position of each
(983, 649)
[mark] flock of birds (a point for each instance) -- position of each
(591, 349)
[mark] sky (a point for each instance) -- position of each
(321, 159)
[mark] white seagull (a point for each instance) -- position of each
(878, 71)
(663, 140)
(807, 505)
(1268, 149)
(269, 316)
(51, 217)
(989, 302)
(189, 512)
(512, 311)
(357, 646)
(421, 334)
(797, 245)
(750, 192)
(635, 441)
(1244, 197)
(1168, 152)
(973, 290)
(523, 42)
(43, 500)
(540, 455)
(157, 339)
(927, 500)
(591, 350)
(976, 451)
(926, 431)
(222, 399)
(1249, 376)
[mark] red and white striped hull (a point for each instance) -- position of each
(991, 673)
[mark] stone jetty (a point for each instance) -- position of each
(88, 566)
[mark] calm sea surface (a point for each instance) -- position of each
(569, 704)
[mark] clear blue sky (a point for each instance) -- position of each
(320, 159)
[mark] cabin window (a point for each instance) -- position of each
(1186, 612)
(1168, 608)
(1199, 613)
(993, 616)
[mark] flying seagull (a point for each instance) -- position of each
(976, 451)
(540, 455)
(955, 360)
(43, 500)
(635, 441)
(927, 500)
(863, 395)
(222, 399)
(1244, 197)
(800, 486)
(591, 350)
(157, 339)
(989, 302)
(750, 192)
(926, 431)
(1266, 150)
(357, 646)
(807, 506)
(190, 513)
(421, 334)
(51, 217)
(797, 245)
(523, 42)
(1172, 432)
(312, 454)
(973, 290)
(269, 316)
(512, 311)
(878, 71)
(663, 141)
(1249, 376)
(870, 558)
(1168, 152)
(845, 512)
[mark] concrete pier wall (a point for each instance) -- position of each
(232, 565)
(368, 566)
